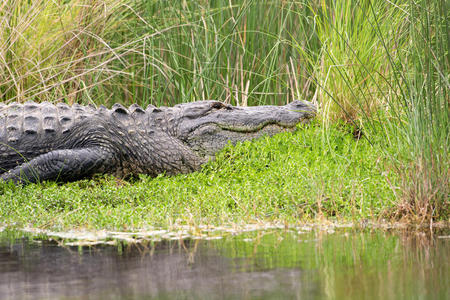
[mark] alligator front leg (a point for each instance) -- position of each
(61, 165)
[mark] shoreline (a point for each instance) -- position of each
(83, 237)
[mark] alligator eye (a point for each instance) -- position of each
(217, 105)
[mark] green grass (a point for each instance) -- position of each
(407, 67)
(159, 52)
(287, 178)
(424, 139)
(353, 69)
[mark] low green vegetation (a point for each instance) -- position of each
(380, 67)
(287, 178)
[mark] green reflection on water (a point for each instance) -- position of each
(346, 264)
(350, 264)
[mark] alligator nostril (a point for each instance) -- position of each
(217, 105)
(297, 104)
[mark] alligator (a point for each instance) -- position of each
(44, 141)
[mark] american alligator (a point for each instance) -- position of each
(59, 142)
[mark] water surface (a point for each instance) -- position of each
(274, 264)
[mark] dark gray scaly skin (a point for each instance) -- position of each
(59, 142)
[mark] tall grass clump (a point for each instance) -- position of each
(423, 137)
(384, 66)
(159, 52)
(238, 51)
(353, 64)
(57, 51)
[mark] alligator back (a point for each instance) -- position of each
(31, 129)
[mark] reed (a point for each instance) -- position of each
(240, 52)
(384, 67)
(423, 136)
(353, 70)
(56, 51)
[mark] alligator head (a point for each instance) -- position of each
(206, 127)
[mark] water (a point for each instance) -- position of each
(275, 264)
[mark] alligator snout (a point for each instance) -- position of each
(303, 106)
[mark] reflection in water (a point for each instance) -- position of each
(164, 270)
(273, 265)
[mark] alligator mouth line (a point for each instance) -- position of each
(248, 129)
